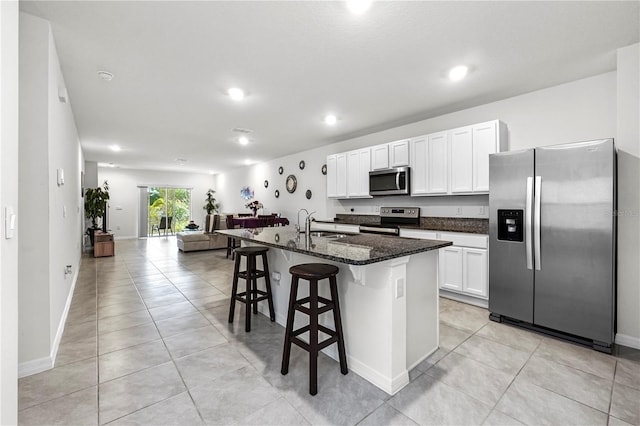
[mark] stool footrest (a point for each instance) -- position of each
(321, 345)
(256, 274)
(243, 296)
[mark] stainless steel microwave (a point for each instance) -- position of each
(389, 181)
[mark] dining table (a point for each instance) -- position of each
(257, 222)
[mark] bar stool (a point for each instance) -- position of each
(313, 272)
(251, 296)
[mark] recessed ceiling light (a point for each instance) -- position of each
(211, 172)
(358, 7)
(459, 72)
(236, 94)
(115, 148)
(105, 75)
(111, 165)
(247, 161)
(330, 119)
(243, 140)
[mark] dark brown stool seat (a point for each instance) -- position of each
(251, 296)
(313, 272)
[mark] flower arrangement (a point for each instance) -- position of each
(254, 206)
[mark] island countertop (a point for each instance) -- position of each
(352, 249)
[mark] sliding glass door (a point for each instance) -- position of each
(169, 210)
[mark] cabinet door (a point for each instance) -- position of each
(419, 168)
(358, 163)
(474, 267)
(450, 268)
(399, 153)
(380, 157)
(484, 143)
(332, 176)
(341, 175)
(461, 161)
(438, 181)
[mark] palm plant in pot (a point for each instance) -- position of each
(211, 207)
(95, 206)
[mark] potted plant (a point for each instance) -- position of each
(95, 206)
(211, 207)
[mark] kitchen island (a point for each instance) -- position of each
(388, 292)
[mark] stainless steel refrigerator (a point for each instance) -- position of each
(552, 248)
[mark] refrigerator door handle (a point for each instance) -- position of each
(536, 224)
(528, 213)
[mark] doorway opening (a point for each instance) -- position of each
(168, 210)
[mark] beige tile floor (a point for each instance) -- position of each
(147, 342)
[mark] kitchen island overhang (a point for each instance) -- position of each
(388, 293)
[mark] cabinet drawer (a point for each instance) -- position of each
(461, 239)
(419, 234)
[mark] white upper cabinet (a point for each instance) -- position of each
(358, 166)
(399, 153)
(348, 174)
(485, 142)
(461, 161)
(380, 157)
(337, 175)
(429, 171)
(387, 155)
(437, 160)
(446, 163)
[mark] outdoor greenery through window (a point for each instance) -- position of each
(174, 203)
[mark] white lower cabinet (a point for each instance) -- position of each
(463, 267)
(450, 269)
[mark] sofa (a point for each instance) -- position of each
(199, 240)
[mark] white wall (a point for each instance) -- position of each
(8, 197)
(34, 341)
(581, 110)
(628, 143)
(50, 226)
(123, 215)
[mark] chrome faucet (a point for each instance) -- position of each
(307, 223)
(298, 224)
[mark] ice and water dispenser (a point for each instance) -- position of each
(510, 225)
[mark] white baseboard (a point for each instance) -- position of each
(35, 366)
(625, 340)
(482, 303)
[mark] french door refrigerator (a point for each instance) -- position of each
(552, 248)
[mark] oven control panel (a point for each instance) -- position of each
(400, 212)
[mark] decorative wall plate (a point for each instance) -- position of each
(292, 184)
(280, 170)
(277, 193)
(324, 169)
(308, 194)
(301, 165)
(266, 183)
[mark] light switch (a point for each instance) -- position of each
(9, 222)
(399, 288)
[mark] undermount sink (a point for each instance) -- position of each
(330, 235)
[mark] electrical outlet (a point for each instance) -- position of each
(459, 211)
(399, 288)
(376, 209)
(276, 277)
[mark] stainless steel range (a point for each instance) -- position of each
(391, 218)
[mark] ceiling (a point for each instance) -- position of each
(173, 62)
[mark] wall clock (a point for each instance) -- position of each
(301, 165)
(291, 184)
(324, 169)
(280, 170)
(308, 194)
(266, 183)
(277, 193)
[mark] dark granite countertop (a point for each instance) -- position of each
(445, 224)
(353, 249)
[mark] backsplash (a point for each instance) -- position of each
(450, 224)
